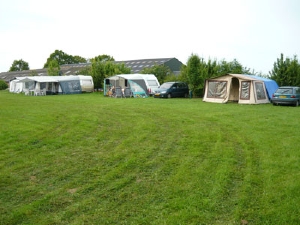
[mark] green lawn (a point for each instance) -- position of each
(89, 159)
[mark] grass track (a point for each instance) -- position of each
(89, 159)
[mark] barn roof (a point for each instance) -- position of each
(135, 65)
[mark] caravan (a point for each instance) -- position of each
(140, 84)
(151, 83)
(86, 82)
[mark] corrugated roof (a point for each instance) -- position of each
(136, 66)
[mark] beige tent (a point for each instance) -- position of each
(244, 89)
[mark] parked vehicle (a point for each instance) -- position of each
(172, 89)
(286, 95)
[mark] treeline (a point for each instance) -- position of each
(285, 71)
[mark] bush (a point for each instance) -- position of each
(3, 85)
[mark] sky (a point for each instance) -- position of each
(254, 32)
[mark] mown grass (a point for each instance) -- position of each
(89, 159)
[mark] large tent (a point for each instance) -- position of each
(50, 84)
(135, 82)
(244, 89)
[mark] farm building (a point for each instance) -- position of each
(135, 65)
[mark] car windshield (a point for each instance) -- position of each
(285, 91)
(166, 85)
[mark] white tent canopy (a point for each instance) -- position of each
(51, 84)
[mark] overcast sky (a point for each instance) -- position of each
(255, 32)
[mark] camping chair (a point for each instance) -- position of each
(127, 93)
(37, 92)
(26, 91)
(43, 91)
(118, 92)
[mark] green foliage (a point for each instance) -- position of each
(63, 58)
(103, 58)
(100, 69)
(235, 67)
(19, 65)
(3, 85)
(184, 162)
(197, 70)
(196, 73)
(172, 77)
(53, 68)
(286, 71)
(160, 71)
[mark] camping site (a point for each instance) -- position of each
(90, 159)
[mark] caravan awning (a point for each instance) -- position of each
(38, 79)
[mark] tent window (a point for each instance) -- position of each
(49, 87)
(260, 92)
(245, 92)
(29, 85)
(217, 89)
(42, 85)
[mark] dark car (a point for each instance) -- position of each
(287, 95)
(172, 90)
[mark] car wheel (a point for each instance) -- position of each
(169, 96)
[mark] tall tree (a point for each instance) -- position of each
(63, 58)
(286, 71)
(53, 68)
(194, 74)
(19, 65)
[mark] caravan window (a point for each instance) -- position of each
(245, 90)
(260, 91)
(217, 89)
(152, 83)
(86, 82)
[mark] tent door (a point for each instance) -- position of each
(234, 90)
(260, 92)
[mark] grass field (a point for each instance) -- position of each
(89, 159)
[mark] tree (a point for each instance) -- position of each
(234, 66)
(19, 65)
(160, 71)
(103, 58)
(53, 68)
(63, 58)
(99, 70)
(196, 72)
(3, 85)
(286, 71)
